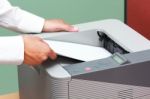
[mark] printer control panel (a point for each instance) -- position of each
(112, 62)
(120, 59)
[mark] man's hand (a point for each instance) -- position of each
(57, 25)
(36, 50)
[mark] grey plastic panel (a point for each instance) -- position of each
(87, 89)
(138, 57)
(108, 63)
(88, 37)
(97, 65)
(135, 72)
(29, 83)
(54, 88)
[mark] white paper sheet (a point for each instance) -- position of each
(78, 51)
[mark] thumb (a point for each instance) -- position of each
(52, 55)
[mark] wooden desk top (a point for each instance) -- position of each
(10, 96)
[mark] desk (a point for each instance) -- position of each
(10, 96)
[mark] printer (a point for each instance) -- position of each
(122, 75)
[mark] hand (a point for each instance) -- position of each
(57, 25)
(36, 50)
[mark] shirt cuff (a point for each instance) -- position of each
(11, 50)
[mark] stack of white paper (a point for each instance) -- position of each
(78, 51)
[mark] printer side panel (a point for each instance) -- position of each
(38, 84)
(53, 88)
(87, 89)
(105, 79)
(29, 83)
(126, 82)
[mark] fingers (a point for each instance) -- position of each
(49, 52)
(40, 59)
(52, 55)
(69, 28)
(36, 51)
(57, 25)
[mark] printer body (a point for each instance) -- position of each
(123, 75)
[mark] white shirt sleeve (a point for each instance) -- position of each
(19, 20)
(12, 48)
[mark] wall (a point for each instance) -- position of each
(138, 16)
(72, 11)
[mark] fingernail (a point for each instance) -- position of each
(53, 55)
(75, 29)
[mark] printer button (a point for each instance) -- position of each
(88, 69)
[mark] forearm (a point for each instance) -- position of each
(19, 20)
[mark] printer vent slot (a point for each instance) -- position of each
(54, 88)
(126, 94)
(109, 44)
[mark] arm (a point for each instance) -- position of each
(17, 49)
(30, 50)
(11, 50)
(19, 20)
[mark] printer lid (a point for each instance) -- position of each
(122, 34)
(119, 32)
